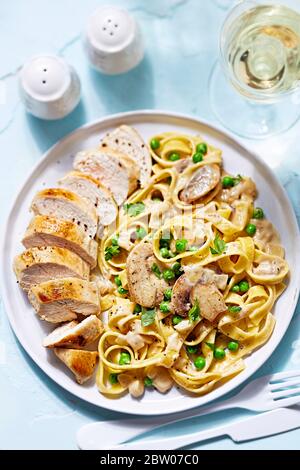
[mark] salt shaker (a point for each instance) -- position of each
(113, 40)
(49, 87)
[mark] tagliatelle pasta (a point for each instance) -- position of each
(219, 275)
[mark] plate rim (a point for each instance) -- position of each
(112, 404)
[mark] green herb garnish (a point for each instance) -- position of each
(147, 317)
(134, 209)
(219, 246)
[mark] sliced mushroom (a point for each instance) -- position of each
(134, 384)
(265, 232)
(145, 287)
(269, 267)
(205, 179)
(245, 187)
(182, 297)
(210, 300)
(161, 379)
(181, 303)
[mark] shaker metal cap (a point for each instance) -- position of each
(45, 78)
(111, 29)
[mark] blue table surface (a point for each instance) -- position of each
(182, 46)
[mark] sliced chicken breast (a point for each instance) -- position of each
(75, 335)
(117, 172)
(40, 264)
(66, 205)
(89, 188)
(62, 300)
(145, 287)
(81, 363)
(128, 141)
(50, 231)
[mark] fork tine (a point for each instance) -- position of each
(284, 402)
(286, 393)
(284, 375)
(288, 383)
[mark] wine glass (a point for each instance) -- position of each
(259, 59)
(224, 4)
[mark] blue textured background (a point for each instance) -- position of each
(182, 39)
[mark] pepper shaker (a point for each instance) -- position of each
(49, 87)
(113, 40)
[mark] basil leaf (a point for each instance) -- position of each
(147, 317)
(134, 209)
(111, 251)
(194, 312)
(155, 269)
(219, 246)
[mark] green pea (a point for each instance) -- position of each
(168, 275)
(122, 291)
(137, 308)
(165, 253)
(181, 245)
(197, 157)
(173, 157)
(251, 229)
(164, 306)
(113, 378)
(235, 288)
(258, 213)
(192, 349)
(155, 144)
(219, 353)
(168, 294)
(148, 382)
(200, 362)
(234, 309)
(124, 359)
(233, 346)
(228, 182)
(118, 281)
(202, 148)
(177, 269)
(176, 319)
(140, 233)
(244, 286)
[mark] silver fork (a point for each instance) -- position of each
(263, 394)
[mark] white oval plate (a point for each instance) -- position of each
(57, 161)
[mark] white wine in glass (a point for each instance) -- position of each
(260, 55)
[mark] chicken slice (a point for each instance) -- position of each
(128, 141)
(75, 335)
(61, 300)
(145, 287)
(204, 180)
(117, 172)
(89, 188)
(210, 299)
(66, 205)
(40, 264)
(50, 231)
(81, 363)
